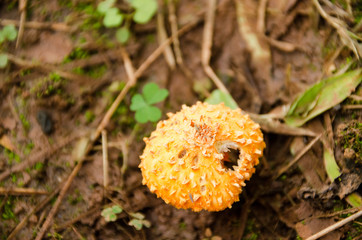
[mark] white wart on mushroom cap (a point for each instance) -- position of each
(200, 157)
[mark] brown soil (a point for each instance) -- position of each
(50, 107)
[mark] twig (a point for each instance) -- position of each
(358, 106)
(283, 46)
(105, 159)
(306, 149)
(335, 226)
(207, 44)
(77, 233)
(57, 203)
(173, 22)
(260, 24)
(62, 27)
(22, 191)
(22, 10)
(131, 82)
(162, 36)
(31, 212)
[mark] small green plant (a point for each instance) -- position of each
(217, 96)
(138, 221)
(8, 33)
(144, 10)
(110, 214)
(142, 104)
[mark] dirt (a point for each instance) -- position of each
(62, 79)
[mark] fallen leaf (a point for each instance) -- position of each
(322, 96)
(6, 143)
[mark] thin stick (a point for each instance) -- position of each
(33, 211)
(306, 149)
(358, 106)
(22, 10)
(335, 226)
(173, 22)
(22, 191)
(77, 232)
(260, 24)
(57, 203)
(105, 159)
(207, 44)
(162, 36)
(62, 27)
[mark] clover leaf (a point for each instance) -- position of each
(105, 5)
(3, 60)
(123, 35)
(142, 104)
(145, 9)
(113, 18)
(139, 223)
(110, 213)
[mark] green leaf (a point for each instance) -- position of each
(148, 113)
(123, 35)
(330, 164)
(322, 96)
(116, 209)
(105, 5)
(137, 215)
(354, 199)
(218, 96)
(138, 102)
(113, 18)
(10, 32)
(3, 60)
(2, 36)
(146, 223)
(153, 94)
(145, 9)
(136, 223)
(108, 215)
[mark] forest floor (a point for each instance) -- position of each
(66, 87)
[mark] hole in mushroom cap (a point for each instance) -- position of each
(231, 158)
(182, 153)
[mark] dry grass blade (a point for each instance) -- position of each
(41, 205)
(162, 36)
(21, 191)
(341, 29)
(174, 29)
(105, 159)
(22, 10)
(61, 27)
(302, 152)
(207, 44)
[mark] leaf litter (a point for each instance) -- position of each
(325, 180)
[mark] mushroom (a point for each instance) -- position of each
(187, 158)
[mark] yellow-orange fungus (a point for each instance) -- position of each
(186, 159)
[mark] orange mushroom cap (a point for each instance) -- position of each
(183, 161)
